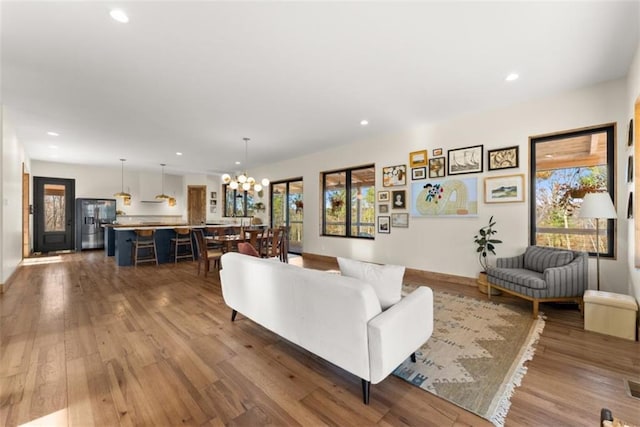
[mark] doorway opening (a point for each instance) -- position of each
(287, 209)
(54, 214)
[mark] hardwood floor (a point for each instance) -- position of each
(84, 342)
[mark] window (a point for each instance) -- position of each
(564, 167)
(348, 208)
(238, 202)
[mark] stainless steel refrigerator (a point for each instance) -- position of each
(91, 214)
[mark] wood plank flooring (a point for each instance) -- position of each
(86, 343)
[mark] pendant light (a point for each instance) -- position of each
(162, 196)
(245, 181)
(122, 193)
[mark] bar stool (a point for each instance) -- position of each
(182, 239)
(144, 247)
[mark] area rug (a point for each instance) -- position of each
(476, 354)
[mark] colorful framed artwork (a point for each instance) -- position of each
(437, 167)
(384, 225)
(393, 176)
(419, 173)
(437, 152)
(418, 158)
(504, 189)
(399, 199)
(400, 220)
(449, 197)
(383, 196)
(503, 158)
(465, 160)
(383, 208)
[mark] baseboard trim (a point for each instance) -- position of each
(409, 274)
(4, 286)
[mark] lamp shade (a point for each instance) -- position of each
(597, 205)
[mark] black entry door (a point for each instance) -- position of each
(53, 210)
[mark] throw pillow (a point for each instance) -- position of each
(385, 279)
(538, 258)
(247, 249)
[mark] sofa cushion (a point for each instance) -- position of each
(519, 276)
(386, 280)
(538, 259)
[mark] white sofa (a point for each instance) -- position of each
(335, 317)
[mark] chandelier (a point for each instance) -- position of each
(122, 193)
(244, 181)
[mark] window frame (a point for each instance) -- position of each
(245, 198)
(348, 206)
(610, 130)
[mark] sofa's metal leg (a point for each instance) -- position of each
(233, 315)
(535, 308)
(366, 389)
(413, 357)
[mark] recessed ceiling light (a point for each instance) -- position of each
(178, 153)
(511, 77)
(53, 133)
(119, 15)
(237, 163)
(364, 122)
(55, 147)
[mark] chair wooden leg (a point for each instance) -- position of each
(535, 308)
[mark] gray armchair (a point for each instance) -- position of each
(542, 274)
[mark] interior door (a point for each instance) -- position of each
(53, 209)
(287, 209)
(196, 204)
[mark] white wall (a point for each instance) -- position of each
(11, 206)
(213, 185)
(446, 244)
(103, 182)
(633, 93)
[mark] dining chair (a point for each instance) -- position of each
(211, 233)
(205, 255)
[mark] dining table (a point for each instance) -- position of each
(228, 240)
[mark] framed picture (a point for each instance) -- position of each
(399, 199)
(503, 158)
(630, 140)
(419, 173)
(465, 160)
(504, 189)
(394, 176)
(630, 169)
(630, 206)
(383, 196)
(447, 197)
(400, 220)
(384, 225)
(418, 158)
(383, 208)
(437, 152)
(214, 195)
(437, 167)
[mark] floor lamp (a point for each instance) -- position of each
(596, 206)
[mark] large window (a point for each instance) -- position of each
(238, 202)
(348, 208)
(564, 167)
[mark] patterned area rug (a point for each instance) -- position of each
(475, 357)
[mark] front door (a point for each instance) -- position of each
(53, 210)
(196, 204)
(287, 209)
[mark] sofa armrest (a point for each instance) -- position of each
(568, 280)
(399, 331)
(511, 262)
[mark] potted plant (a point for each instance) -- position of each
(485, 244)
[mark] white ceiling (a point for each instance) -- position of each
(295, 77)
